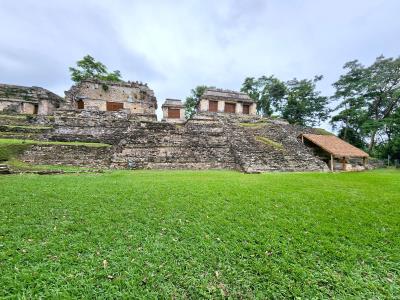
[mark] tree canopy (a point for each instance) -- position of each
(193, 100)
(369, 103)
(89, 68)
(297, 101)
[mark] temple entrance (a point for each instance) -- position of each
(114, 106)
(174, 113)
(80, 104)
(230, 107)
(213, 106)
(246, 109)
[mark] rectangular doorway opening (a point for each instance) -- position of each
(213, 106)
(114, 106)
(174, 113)
(230, 107)
(80, 104)
(246, 109)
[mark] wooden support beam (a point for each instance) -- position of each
(331, 163)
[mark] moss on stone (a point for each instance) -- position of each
(253, 125)
(322, 131)
(268, 142)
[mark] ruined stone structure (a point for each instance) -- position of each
(207, 141)
(226, 101)
(135, 97)
(173, 111)
(28, 100)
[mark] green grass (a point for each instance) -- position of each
(254, 125)
(154, 234)
(20, 166)
(322, 131)
(13, 117)
(30, 127)
(11, 148)
(268, 142)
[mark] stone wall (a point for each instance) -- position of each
(68, 155)
(136, 97)
(207, 141)
(28, 100)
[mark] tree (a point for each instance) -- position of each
(193, 100)
(369, 96)
(302, 104)
(266, 91)
(89, 68)
(296, 100)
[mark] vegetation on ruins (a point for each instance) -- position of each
(297, 101)
(11, 148)
(369, 108)
(193, 100)
(89, 68)
(193, 234)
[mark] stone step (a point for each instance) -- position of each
(4, 169)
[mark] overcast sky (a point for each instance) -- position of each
(176, 45)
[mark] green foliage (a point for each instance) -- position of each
(193, 100)
(369, 101)
(9, 150)
(297, 101)
(159, 235)
(266, 91)
(268, 142)
(254, 125)
(89, 68)
(303, 105)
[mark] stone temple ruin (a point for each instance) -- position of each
(28, 100)
(225, 133)
(135, 97)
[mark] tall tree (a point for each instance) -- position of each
(297, 101)
(89, 68)
(303, 104)
(266, 91)
(370, 95)
(193, 100)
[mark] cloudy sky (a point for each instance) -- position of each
(176, 45)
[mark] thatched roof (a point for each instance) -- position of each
(335, 146)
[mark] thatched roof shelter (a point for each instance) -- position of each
(335, 147)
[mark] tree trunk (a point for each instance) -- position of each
(372, 142)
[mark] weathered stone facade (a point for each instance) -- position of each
(207, 141)
(173, 111)
(28, 100)
(135, 97)
(226, 101)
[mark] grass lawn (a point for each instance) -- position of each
(183, 234)
(10, 148)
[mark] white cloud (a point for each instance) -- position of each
(176, 45)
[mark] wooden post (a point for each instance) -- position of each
(364, 161)
(331, 163)
(344, 164)
(302, 138)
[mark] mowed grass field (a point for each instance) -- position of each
(211, 234)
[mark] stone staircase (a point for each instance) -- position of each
(4, 169)
(270, 146)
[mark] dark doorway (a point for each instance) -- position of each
(114, 106)
(246, 109)
(80, 104)
(35, 109)
(174, 113)
(213, 106)
(230, 107)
